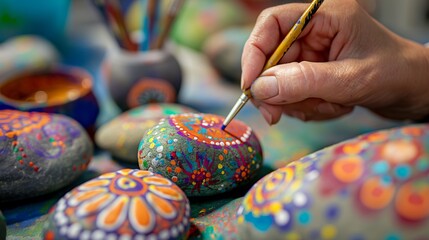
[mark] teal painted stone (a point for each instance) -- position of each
(40, 153)
(127, 204)
(122, 135)
(193, 151)
(375, 186)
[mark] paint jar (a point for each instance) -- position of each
(135, 79)
(60, 89)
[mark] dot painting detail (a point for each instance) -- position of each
(127, 204)
(40, 153)
(122, 135)
(193, 151)
(374, 183)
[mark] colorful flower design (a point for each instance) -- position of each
(124, 204)
(381, 176)
(206, 128)
(193, 151)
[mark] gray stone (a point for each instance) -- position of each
(122, 135)
(40, 153)
(193, 151)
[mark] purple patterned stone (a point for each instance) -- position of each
(127, 204)
(375, 186)
(40, 153)
(122, 135)
(203, 160)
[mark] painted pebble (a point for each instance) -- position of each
(122, 135)
(127, 204)
(40, 153)
(193, 151)
(375, 186)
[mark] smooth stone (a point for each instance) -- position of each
(224, 50)
(26, 53)
(203, 160)
(375, 186)
(200, 19)
(122, 135)
(127, 204)
(40, 153)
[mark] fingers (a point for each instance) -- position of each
(335, 82)
(270, 28)
(308, 110)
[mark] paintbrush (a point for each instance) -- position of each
(115, 14)
(173, 10)
(276, 56)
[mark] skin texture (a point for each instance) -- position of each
(342, 59)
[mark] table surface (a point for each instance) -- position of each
(206, 91)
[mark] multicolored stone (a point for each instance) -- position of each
(122, 135)
(375, 186)
(193, 151)
(40, 153)
(127, 204)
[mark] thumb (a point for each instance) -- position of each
(334, 82)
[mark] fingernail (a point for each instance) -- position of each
(326, 108)
(299, 115)
(266, 115)
(265, 87)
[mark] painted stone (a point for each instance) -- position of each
(224, 50)
(26, 53)
(200, 19)
(40, 153)
(193, 151)
(127, 204)
(122, 135)
(61, 89)
(375, 186)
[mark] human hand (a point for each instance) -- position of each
(342, 59)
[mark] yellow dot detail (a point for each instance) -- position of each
(329, 232)
(275, 207)
(240, 219)
(162, 129)
(293, 236)
(151, 139)
(219, 166)
(250, 149)
(152, 145)
(223, 172)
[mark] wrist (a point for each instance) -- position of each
(420, 71)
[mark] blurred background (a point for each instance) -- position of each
(206, 37)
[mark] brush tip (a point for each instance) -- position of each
(223, 127)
